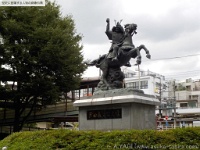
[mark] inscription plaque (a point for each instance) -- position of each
(104, 114)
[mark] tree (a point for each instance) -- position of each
(41, 57)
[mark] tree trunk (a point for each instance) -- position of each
(19, 120)
(17, 125)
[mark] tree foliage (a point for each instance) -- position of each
(41, 56)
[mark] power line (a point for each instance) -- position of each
(186, 72)
(181, 76)
(179, 73)
(172, 57)
(191, 73)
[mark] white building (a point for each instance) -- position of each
(151, 83)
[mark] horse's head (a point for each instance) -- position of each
(131, 28)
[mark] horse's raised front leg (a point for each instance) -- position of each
(146, 50)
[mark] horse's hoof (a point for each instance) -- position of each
(138, 62)
(148, 56)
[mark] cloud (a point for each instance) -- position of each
(168, 28)
(90, 17)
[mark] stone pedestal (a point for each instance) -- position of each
(117, 110)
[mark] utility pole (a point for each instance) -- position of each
(99, 68)
(174, 106)
(160, 98)
(139, 75)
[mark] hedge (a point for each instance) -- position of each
(187, 138)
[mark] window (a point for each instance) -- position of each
(87, 92)
(76, 92)
(135, 85)
(144, 84)
(130, 84)
(183, 104)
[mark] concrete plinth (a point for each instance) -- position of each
(133, 110)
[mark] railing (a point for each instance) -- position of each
(60, 109)
(187, 107)
(164, 127)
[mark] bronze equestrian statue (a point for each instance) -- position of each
(120, 53)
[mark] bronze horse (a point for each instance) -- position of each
(112, 76)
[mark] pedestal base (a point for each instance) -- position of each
(130, 111)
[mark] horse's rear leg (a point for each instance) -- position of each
(135, 52)
(146, 50)
(139, 57)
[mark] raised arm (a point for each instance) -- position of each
(108, 32)
(108, 25)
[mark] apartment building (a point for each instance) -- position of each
(188, 94)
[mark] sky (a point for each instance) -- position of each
(170, 29)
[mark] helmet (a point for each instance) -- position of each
(118, 28)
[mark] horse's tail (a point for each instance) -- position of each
(96, 62)
(101, 61)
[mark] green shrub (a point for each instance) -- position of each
(187, 138)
